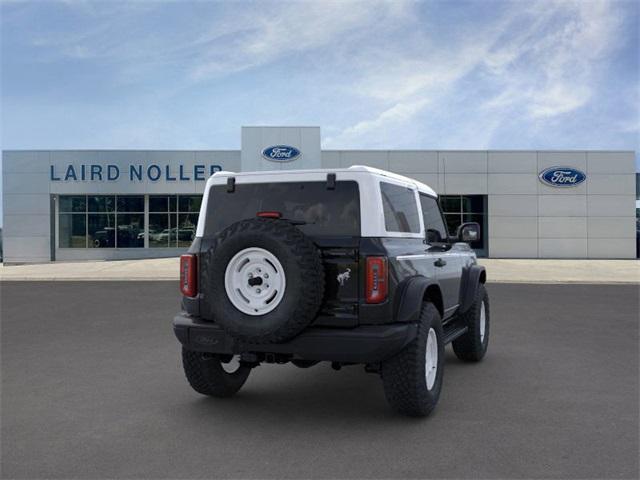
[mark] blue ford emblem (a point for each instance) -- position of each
(562, 177)
(281, 153)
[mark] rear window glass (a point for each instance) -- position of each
(320, 211)
(400, 209)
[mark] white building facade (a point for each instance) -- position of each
(121, 204)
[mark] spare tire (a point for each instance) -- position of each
(263, 279)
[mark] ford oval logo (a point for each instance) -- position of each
(562, 177)
(281, 153)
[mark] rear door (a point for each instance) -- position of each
(447, 261)
(330, 217)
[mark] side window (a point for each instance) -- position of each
(433, 223)
(400, 209)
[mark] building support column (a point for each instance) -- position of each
(146, 221)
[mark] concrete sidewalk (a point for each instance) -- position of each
(120, 270)
(498, 270)
(562, 271)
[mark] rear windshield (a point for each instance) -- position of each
(320, 211)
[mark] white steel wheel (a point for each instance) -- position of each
(431, 359)
(232, 365)
(255, 281)
(483, 322)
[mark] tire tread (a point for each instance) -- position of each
(206, 376)
(467, 347)
(403, 374)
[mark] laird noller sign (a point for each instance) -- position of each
(133, 173)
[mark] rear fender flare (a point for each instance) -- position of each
(472, 276)
(413, 292)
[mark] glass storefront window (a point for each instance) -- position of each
(458, 209)
(101, 230)
(454, 220)
(159, 233)
(189, 203)
(186, 228)
(102, 203)
(130, 230)
(450, 203)
(158, 203)
(473, 204)
(173, 220)
(118, 221)
(73, 203)
(131, 203)
(173, 229)
(130, 226)
(73, 230)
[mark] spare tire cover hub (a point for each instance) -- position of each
(255, 281)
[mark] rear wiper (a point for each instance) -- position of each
(295, 222)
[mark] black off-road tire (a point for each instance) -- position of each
(469, 347)
(207, 376)
(403, 375)
(304, 272)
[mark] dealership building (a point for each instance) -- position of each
(120, 204)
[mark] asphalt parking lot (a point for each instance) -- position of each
(92, 387)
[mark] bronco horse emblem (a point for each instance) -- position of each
(344, 276)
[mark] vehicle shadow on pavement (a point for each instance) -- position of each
(289, 394)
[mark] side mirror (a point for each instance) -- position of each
(468, 232)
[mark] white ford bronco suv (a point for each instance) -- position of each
(349, 266)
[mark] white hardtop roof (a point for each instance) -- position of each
(352, 169)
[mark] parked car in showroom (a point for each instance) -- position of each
(128, 236)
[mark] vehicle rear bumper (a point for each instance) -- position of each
(363, 344)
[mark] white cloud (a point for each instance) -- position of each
(397, 114)
(550, 68)
(232, 37)
(406, 87)
(539, 59)
(388, 73)
(261, 37)
(558, 98)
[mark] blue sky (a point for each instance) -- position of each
(402, 74)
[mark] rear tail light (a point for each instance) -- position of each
(377, 279)
(189, 275)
